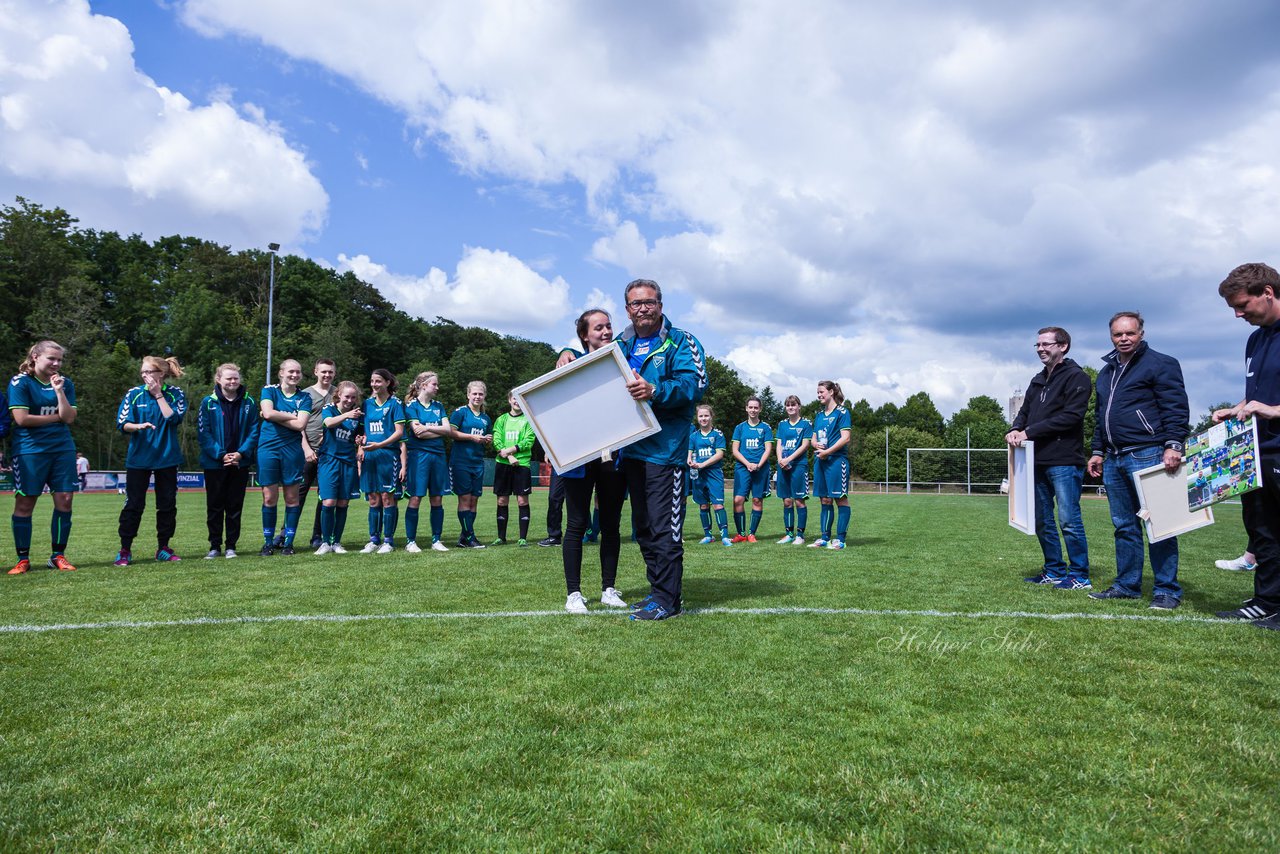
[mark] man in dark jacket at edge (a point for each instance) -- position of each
(1052, 417)
(1142, 421)
(1252, 291)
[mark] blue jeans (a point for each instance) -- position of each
(1061, 484)
(1122, 495)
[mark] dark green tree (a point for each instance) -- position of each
(771, 411)
(919, 413)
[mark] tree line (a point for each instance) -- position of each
(111, 299)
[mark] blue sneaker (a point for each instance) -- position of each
(653, 611)
(1074, 582)
(643, 603)
(725, 541)
(707, 540)
(1044, 578)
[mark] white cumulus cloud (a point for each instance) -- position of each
(85, 129)
(489, 288)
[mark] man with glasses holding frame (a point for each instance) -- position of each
(1052, 416)
(670, 372)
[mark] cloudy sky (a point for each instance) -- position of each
(895, 196)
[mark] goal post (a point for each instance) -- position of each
(965, 470)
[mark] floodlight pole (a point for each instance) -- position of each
(271, 301)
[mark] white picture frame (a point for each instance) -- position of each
(1163, 500)
(583, 411)
(1022, 487)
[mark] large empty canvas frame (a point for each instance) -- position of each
(582, 411)
(1022, 487)
(1163, 497)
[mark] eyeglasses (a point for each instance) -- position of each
(644, 303)
(1039, 346)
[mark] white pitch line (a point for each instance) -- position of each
(491, 615)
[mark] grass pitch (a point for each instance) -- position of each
(447, 701)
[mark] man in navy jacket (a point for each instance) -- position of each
(670, 372)
(1253, 293)
(1142, 414)
(1052, 417)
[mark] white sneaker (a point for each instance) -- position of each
(337, 549)
(787, 540)
(438, 546)
(230, 554)
(575, 604)
(324, 549)
(1237, 565)
(369, 548)
(413, 548)
(835, 545)
(611, 598)
(706, 540)
(386, 549)
(798, 541)
(213, 553)
(818, 544)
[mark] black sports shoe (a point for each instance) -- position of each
(278, 542)
(287, 550)
(1272, 623)
(653, 611)
(1113, 593)
(1164, 603)
(267, 550)
(549, 541)
(644, 603)
(1251, 609)
(316, 542)
(464, 543)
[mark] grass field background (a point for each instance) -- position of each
(471, 711)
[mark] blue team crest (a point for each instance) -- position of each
(658, 360)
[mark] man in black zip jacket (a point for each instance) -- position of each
(1252, 291)
(1142, 421)
(1052, 416)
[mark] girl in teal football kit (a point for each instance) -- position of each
(380, 460)
(42, 403)
(793, 435)
(706, 474)
(150, 416)
(752, 443)
(336, 473)
(472, 433)
(831, 431)
(282, 450)
(427, 469)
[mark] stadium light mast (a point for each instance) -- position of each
(271, 301)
